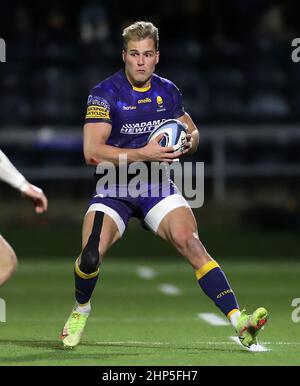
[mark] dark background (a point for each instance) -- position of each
(231, 60)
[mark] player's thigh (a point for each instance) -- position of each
(109, 232)
(179, 222)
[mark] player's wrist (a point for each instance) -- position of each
(140, 155)
(24, 186)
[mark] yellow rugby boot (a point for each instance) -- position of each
(248, 326)
(73, 329)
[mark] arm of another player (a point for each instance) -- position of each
(10, 175)
(95, 136)
(193, 134)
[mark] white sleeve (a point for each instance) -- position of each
(11, 175)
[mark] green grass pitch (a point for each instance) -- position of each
(134, 323)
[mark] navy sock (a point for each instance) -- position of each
(84, 284)
(215, 285)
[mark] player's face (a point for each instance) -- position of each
(140, 60)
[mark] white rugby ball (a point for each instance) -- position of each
(174, 134)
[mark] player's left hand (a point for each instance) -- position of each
(189, 142)
(186, 148)
(38, 197)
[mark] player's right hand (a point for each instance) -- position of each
(154, 152)
(38, 197)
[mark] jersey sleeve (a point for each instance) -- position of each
(100, 106)
(178, 108)
(9, 174)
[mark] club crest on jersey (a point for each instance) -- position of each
(160, 104)
(159, 100)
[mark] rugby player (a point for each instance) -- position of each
(9, 174)
(121, 112)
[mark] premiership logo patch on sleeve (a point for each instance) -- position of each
(97, 107)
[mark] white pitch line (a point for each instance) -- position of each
(284, 343)
(253, 348)
(169, 289)
(135, 342)
(213, 319)
(166, 344)
(146, 273)
(178, 345)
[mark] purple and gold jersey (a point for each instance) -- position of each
(133, 112)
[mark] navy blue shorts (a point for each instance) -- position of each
(150, 207)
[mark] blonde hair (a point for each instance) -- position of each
(140, 30)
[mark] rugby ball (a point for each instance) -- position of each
(174, 134)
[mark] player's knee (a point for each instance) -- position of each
(90, 259)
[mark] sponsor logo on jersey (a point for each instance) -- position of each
(129, 107)
(141, 127)
(97, 112)
(146, 100)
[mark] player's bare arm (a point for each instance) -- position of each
(96, 150)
